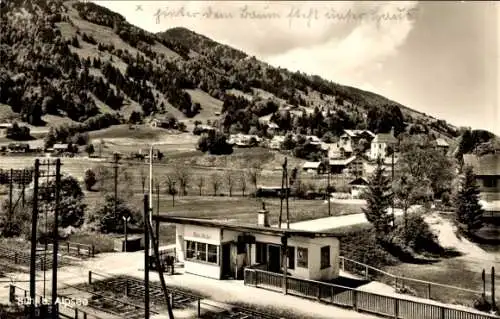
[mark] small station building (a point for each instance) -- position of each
(222, 250)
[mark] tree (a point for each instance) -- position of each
(200, 183)
(243, 183)
(90, 179)
(469, 211)
(184, 178)
(230, 182)
(214, 143)
(379, 198)
(89, 149)
(105, 219)
(216, 183)
(254, 174)
(171, 188)
(135, 118)
(405, 190)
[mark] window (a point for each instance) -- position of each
(291, 257)
(325, 257)
(212, 254)
(261, 253)
(203, 252)
(490, 182)
(302, 256)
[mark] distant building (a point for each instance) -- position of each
(272, 128)
(358, 186)
(158, 123)
(381, 143)
(4, 127)
(18, 148)
(145, 152)
(60, 148)
(339, 166)
(441, 144)
(276, 142)
(270, 191)
(350, 139)
(244, 140)
(487, 171)
(313, 167)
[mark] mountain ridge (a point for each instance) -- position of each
(108, 66)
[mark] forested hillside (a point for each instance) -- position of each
(86, 63)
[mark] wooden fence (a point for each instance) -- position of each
(19, 295)
(425, 289)
(75, 249)
(22, 258)
(357, 300)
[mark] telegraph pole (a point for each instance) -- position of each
(146, 257)
(282, 195)
(150, 215)
(158, 212)
(287, 194)
(116, 158)
(55, 244)
(34, 220)
(328, 189)
(11, 185)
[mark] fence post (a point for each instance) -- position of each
(355, 300)
(343, 263)
(429, 291)
(318, 295)
(93, 251)
(76, 313)
(256, 281)
(171, 296)
(366, 272)
(396, 308)
(442, 312)
(12, 293)
(199, 308)
(90, 277)
(84, 315)
(331, 294)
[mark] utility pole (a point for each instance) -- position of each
(287, 191)
(150, 200)
(328, 188)
(146, 257)
(116, 158)
(11, 185)
(34, 220)
(493, 301)
(158, 212)
(55, 244)
(125, 226)
(282, 195)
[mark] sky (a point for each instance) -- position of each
(440, 58)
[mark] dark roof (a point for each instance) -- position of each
(273, 231)
(484, 165)
(384, 138)
(359, 181)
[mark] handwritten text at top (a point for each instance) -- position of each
(293, 13)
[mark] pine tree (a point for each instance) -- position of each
(468, 209)
(379, 198)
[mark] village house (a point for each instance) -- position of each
(222, 250)
(358, 186)
(145, 153)
(59, 148)
(272, 128)
(270, 191)
(350, 139)
(441, 144)
(18, 148)
(339, 166)
(244, 140)
(487, 171)
(313, 167)
(276, 142)
(381, 143)
(4, 127)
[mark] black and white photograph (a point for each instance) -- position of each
(249, 159)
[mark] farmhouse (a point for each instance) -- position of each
(316, 167)
(222, 250)
(60, 148)
(276, 142)
(18, 148)
(441, 144)
(380, 144)
(358, 186)
(487, 171)
(4, 127)
(337, 166)
(350, 139)
(270, 191)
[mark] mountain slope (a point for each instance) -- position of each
(87, 63)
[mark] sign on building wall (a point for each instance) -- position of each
(302, 255)
(197, 233)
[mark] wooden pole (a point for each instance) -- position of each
(34, 220)
(146, 257)
(282, 194)
(55, 243)
(284, 249)
(493, 301)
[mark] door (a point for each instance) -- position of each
(226, 261)
(274, 258)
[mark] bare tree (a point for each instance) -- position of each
(230, 182)
(243, 182)
(200, 183)
(143, 176)
(171, 188)
(184, 178)
(216, 183)
(254, 174)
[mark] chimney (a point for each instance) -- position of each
(263, 216)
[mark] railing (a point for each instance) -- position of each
(64, 311)
(426, 289)
(358, 300)
(133, 287)
(19, 257)
(71, 248)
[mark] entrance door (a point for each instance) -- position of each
(274, 255)
(226, 261)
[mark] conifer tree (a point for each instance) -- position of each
(469, 211)
(379, 198)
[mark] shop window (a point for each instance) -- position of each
(302, 257)
(260, 253)
(291, 257)
(325, 257)
(203, 252)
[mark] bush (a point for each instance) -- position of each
(106, 221)
(482, 304)
(214, 143)
(90, 179)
